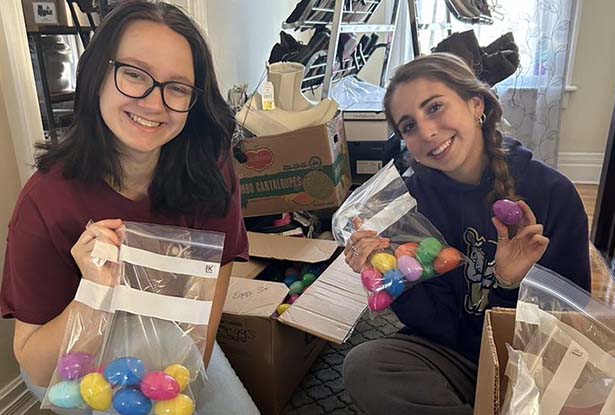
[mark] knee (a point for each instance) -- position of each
(360, 368)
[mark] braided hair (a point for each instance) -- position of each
(456, 75)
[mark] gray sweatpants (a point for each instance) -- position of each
(409, 375)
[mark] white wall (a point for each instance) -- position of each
(241, 34)
(586, 119)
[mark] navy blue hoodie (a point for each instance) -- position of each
(450, 309)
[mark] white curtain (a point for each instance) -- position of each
(532, 97)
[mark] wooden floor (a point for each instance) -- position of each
(603, 286)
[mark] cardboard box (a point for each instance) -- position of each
(498, 329)
(306, 169)
(272, 355)
(42, 13)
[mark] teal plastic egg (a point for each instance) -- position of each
(66, 394)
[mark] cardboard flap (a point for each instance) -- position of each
(253, 297)
(264, 245)
(331, 306)
(249, 269)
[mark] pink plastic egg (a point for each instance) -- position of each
(159, 386)
(293, 298)
(371, 279)
(75, 365)
(409, 267)
(507, 211)
(379, 300)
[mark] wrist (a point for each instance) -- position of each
(502, 282)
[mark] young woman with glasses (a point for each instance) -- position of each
(150, 142)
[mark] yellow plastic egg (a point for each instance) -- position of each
(383, 262)
(181, 405)
(96, 391)
(282, 308)
(180, 373)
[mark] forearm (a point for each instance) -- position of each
(37, 349)
(222, 285)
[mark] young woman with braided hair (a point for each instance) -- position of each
(449, 122)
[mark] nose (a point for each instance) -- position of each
(153, 100)
(428, 129)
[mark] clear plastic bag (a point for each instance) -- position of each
(565, 342)
(137, 348)
(350, 90)
(417, 251)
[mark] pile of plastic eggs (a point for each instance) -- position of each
(298, 278)
(387, 276)
(123, 383)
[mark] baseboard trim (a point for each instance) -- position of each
(15, 398)
(582, 168)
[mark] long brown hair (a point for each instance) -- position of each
(456, 75)
(188, 178)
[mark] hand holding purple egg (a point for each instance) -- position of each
(508, 212)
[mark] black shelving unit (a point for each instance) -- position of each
(49, 99)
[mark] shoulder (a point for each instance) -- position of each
(41, 192)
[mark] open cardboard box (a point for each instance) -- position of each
(272, 355)
(498, 329)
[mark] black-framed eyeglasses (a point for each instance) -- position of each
(135, 82)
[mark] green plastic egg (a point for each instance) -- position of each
(428, 271)
(308, 279)
(429, 248)
(296, 287)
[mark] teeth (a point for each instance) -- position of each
(143, 121)
(442, 147)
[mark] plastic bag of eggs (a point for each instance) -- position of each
(388, 274)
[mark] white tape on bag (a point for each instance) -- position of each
(122, 298)
(148, 259)
(393, 212)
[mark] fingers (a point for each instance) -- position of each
(356, 256)
(529, 231)
(357, 222)
(501, 229)
(104, 230)
(528, 215)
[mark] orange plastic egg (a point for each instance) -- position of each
(408, 249)
(447, 260)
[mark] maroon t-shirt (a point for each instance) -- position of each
(40, 275)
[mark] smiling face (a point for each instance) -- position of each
(143, 126)
(440, 128)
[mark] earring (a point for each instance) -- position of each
(481, 120)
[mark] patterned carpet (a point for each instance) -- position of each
(322, 389)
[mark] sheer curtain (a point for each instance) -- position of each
(532, 97)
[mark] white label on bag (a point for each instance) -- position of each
(564, 379)
(393, 212)
(103, 251)
(94, 295)
(172, 264)
(120, 297)
(143, 303)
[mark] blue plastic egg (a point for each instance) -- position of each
(125, 371)
(393, 281)
(66, 394)
(129, 401)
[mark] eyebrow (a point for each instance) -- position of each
(421, 106)
(144, 65)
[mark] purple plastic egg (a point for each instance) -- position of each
(507, 211)
(75, 365)
(409, 267)
(159, 386)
